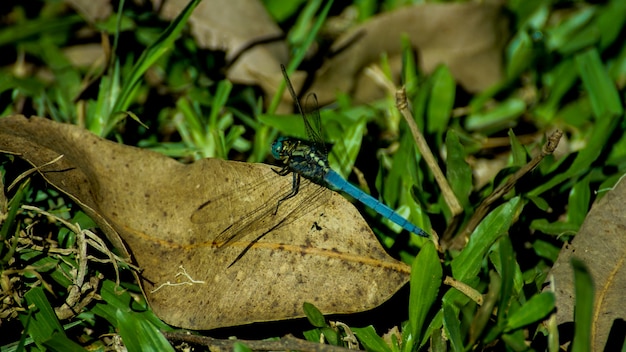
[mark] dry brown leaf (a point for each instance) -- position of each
(468, 37)
(600, 245)
(92, 10)
(323, 253)
(231, 26)
(85, 55)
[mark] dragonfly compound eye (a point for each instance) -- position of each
(277, 148)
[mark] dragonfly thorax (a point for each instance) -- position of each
(301, 157)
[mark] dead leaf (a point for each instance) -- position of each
(247, 34)
(92, 10)
(468, 37)
(325, 254)
(85, 55)
(232, 26)
(600, 245)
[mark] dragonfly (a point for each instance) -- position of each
(300, 158)
(309, 159)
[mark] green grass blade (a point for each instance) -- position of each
(496, 224)
(9, 222)
(506, 269)
(312, 335)
(42, 324)
(62, 343)
(240, 347)
(518, 152)
(605, 100)
(281, 10)
(300, 31)
(99, 112)
(441, 100)
(579, 202)
(123, 300)
(435, 326)
(315, 317)
(299, 54)
(44, 263)
(222, 93)
(140, 334)
(458, 172)
(15, 33)
(561, 36)
(426, 276)
(410, 71)
(501, 116)
(370, 339)
(583, 308)
(610, 22)
(535, 309)
(559, 80)
(452, 324)
(483, 315)
(596, 143)
(149, 57)
(520, 53)
(346, 150)
(516, 341)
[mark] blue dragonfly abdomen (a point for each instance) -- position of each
(335, 181)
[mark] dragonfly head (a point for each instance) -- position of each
(279, 146)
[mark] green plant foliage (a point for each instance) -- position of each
(537, 308)
(458, 172)
(8, 235)
(370, 339)
(441, 100)
(316, 318)
(583, 309)
(564, 67)
(467, 264)
(42, 324)
(452, 327)
(426, 276)
(137, 325)
(128, 89)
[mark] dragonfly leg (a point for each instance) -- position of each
(283, 172)
(295, 187)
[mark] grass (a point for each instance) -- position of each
(572, 62)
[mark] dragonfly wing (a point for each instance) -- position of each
(241, 220)
(312, 121)
(246, 212)
(239, 209)
(232, 195)
(310, 114)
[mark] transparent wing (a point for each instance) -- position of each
(247, 210)
(253, 210)
(234, 195)
(312, 121)
(310, 114)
